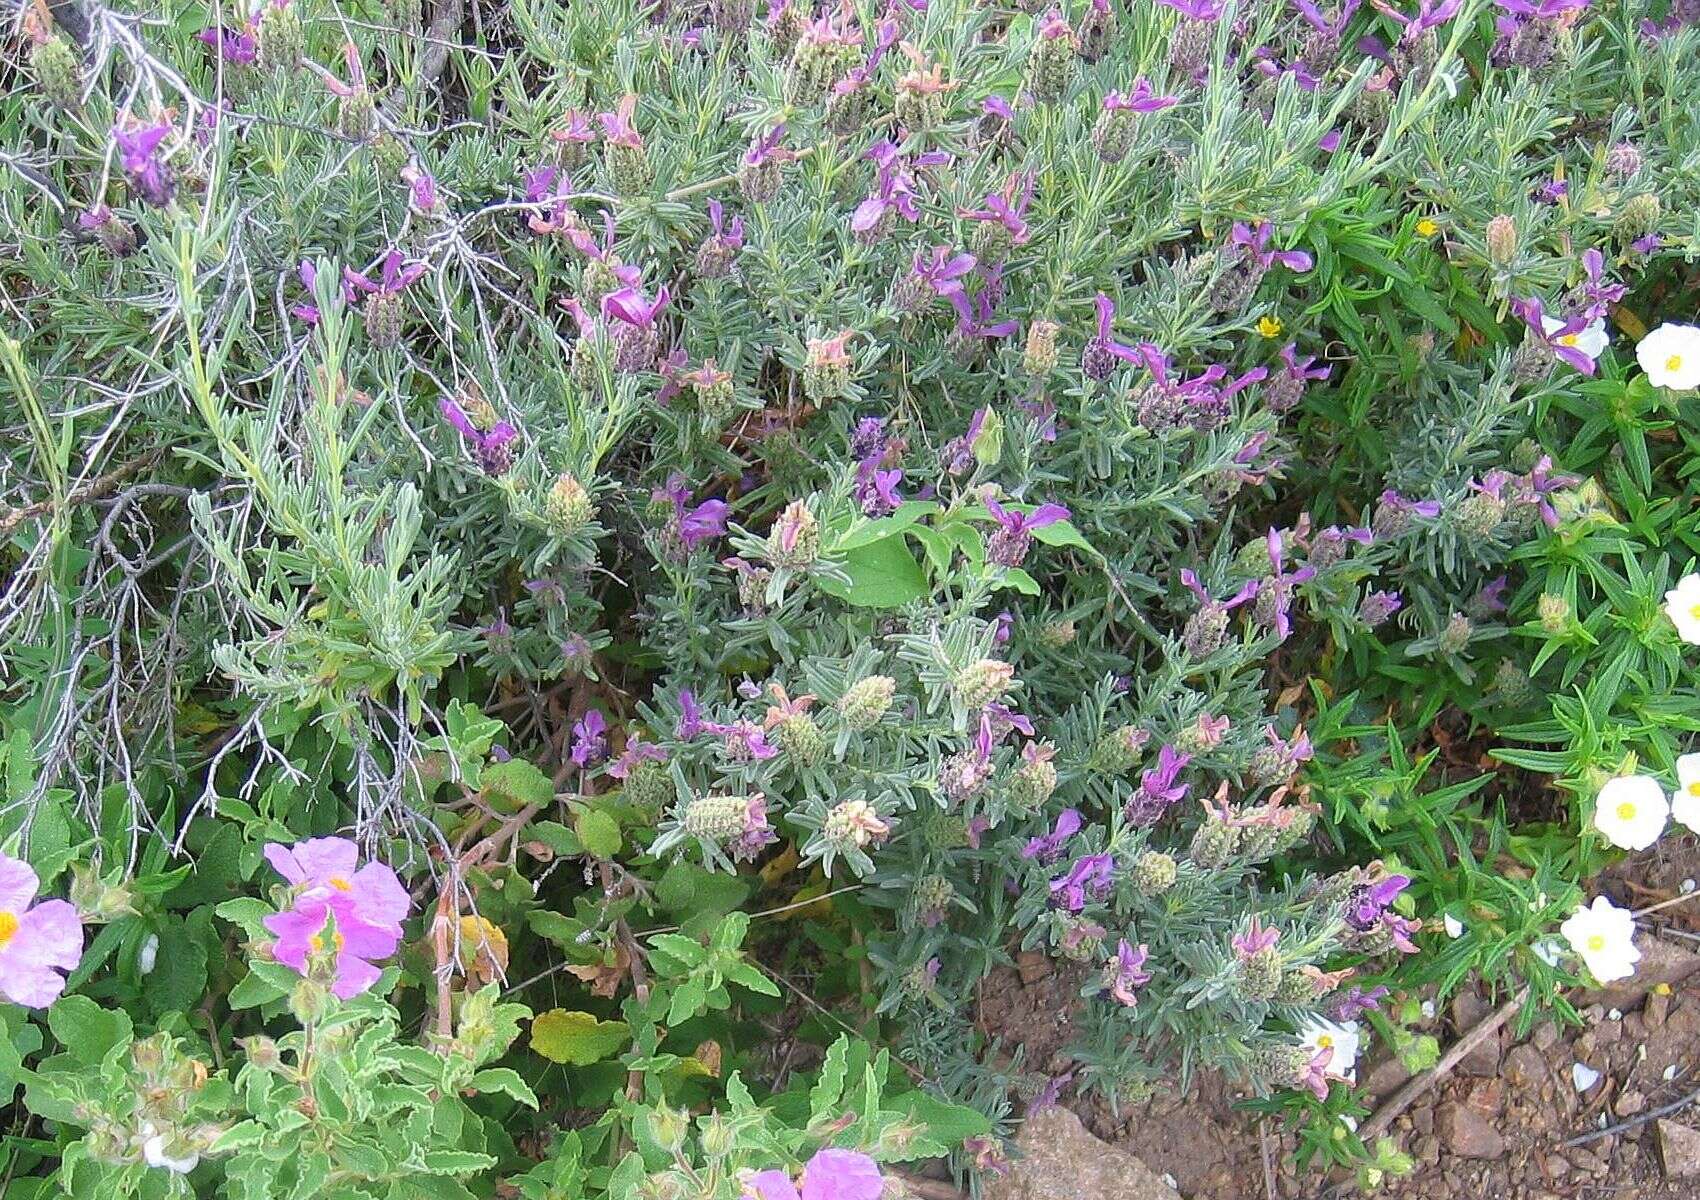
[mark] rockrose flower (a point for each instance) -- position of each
(1630, 811)
(1685, 801)
(832, 1174)
(367, 904)
(1604, 935)
(38, 942)
(1670, 355)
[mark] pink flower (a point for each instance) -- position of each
(366, 903)
(36, 944)
(832, 1174)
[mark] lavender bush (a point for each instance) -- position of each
(931, 462)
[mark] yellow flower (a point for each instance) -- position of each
(1269, 326)
(1427, 228)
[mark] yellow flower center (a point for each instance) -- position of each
(1269, 326)
(317, 942)
(1673, 363)
(1325, 1042)
(1694, 788)
(1695, 612)
(8, 926)
(1427, 227)
(1597, 942)
(1626, 811)
(1567, 339)
(341, 884)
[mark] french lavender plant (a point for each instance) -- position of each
(987, 480)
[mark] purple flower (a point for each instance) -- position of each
(767, 148)
(422, 190)
(1158, 788)
(1205, 398)
(1551, 192)
(691, 724)
(1313, 16)
(1314, 1076)
(628, 305)
(138, 152)
(876, 489)
(1048, 847)
(1393, 501)
(1142, 99)
(1009, 545)
(490, 449)
(997, 106)
(894, 190)
(236, 46)
(745, 741)
(1279, 587)
(392, 279)
(1562, 337)
(1257, 938)
(869, 439)
(1198, 10)
(1378, 607)
(1541, 484)
(368, 904)
(1002, 626)
(1247, 592)
(617, 127)
(1594, 292)
(1126, 972)
(1099, 357)
(590, 739)
(309, 276)
(1429, 16)
(1254, 246)
(832, 1174)
(1090, 875)
(1007, 207)
(1366, 904)
(941, 270)
(1358, 1001)
(637, 751)
(693, 525)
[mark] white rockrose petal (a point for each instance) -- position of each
(1670, 355)
(1342, 1037)
(1583, 1076)
(1682, 606)
(1548, 951)
(1604, 935)
(1685, 801)
(148, 955)
(154, 1155)
(1631, 811)
(1591, 339)
(1454, 927)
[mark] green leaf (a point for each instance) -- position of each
(557, 837)
(599, 832)
(85, 1029)
(453, 1162)
(687, 888)
(829, 1083)
(576, 1037)
(883, 574)
(749, 976)
(946, 1122)
(516, 784)
(505, 1081)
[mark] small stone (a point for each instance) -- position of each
(1658, 1007)
(1584, 1160)
(1546, 1037)
(1679, 1150)
(1385, 1076)
(1524, 1066)
(1630, 1103)
(1607, 1034)
(1468, 1134)
(1059, 1157)
(1583, 1076)
(1423, 1121)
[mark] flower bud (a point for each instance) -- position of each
(278, 38)
(784, 27)
(628, 167)
(1554, 612)
(1153, 873)
(666, 1126)
(1638, 217)
(57, 72)
(1190, 48)
(1260, 975)
(1456, 636)
(853, 824)
(716, 818)
(1097, 32)
(794, 541)
(799, 738)
(932, 897)
(383, 314)
(1051, 61)
(357, 115)
(1214, 843)
(1055, 635)
(979, 683)
(1034, 780)
(719, 1138)
(1206, 631)
(648, 786)
(568, 508)
(95, 900)
(1039, 356)
(1113, 134)
(1478, 515)
(867, 701)
(1501, 239)
(1623, 160)
(1512, 685)
(1119, 750)
(826, 370)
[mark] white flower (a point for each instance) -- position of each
(153, 1153)
(1671, 356)
(1339, 1036)
(1547, 950)
(1454, 927)
(148, 955)
(1583, 1076)
(1682, 606)
(1631, 811)
(1591, 339)
(1604, 935)
(1685, 801)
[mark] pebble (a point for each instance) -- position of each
(1630, 1103)
(1469, 1134)
(1658, 1007)
(1546, 1037)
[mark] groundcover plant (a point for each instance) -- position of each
(579, 576)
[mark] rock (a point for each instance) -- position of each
(1546, 1037)
(1469, 1009)
(1469, 1134)
(1060, 1160)
(1524, 1066)
(1423, 1120)
(1679, 1150)
(1032, 966)
(1658, 1007)
(1630, 1103)
(1385, 1076)
(1661, 962)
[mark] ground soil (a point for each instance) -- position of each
(1494, 1128)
